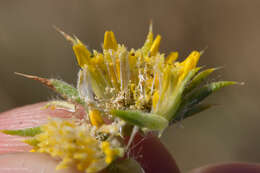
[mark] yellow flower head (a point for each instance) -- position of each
(142, 79)
(122, 91)
(76, 144)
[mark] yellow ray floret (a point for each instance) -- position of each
(110, 41)
(155, 46)
(82, 53)
(74, 144)
(172, 57)
(189, 63)
(95, 118)
(141, 79)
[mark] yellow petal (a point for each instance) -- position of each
(195, 56)
(95, 118)
(155, 100)
(110, 41)
(171, 57)
(82, 54)
(189, 63)
(192, 59)
(149, 41)
(155, 46)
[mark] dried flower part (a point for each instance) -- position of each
(119, 88)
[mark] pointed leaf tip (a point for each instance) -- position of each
(200, 94)
(66, 36)
(40, 79)
(67, 91)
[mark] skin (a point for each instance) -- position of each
(15, 158)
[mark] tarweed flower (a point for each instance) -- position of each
(141, 90)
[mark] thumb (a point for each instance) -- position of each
(236, 167)
(148, 151)
(30, 163)
(25, 117)
(14, 155)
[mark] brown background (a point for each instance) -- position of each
(229, 28)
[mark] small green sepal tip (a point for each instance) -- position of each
(29, 132)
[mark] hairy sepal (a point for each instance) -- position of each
(141, 119)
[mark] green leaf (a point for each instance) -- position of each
(200, 94)
(177, 96)
(188, 112)
(125, 166)
(189, 105)
(31, 141)
(29, 132)
(198, 79)
(140, 119)
(67, 91)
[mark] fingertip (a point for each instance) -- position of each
(153, 155)
(30, 162)
(235, 167)
(30, 115)
(26, 117)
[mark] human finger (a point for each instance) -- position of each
(30, 163)
(147, 150)
(236, 167)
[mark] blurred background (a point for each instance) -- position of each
(230, 29)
